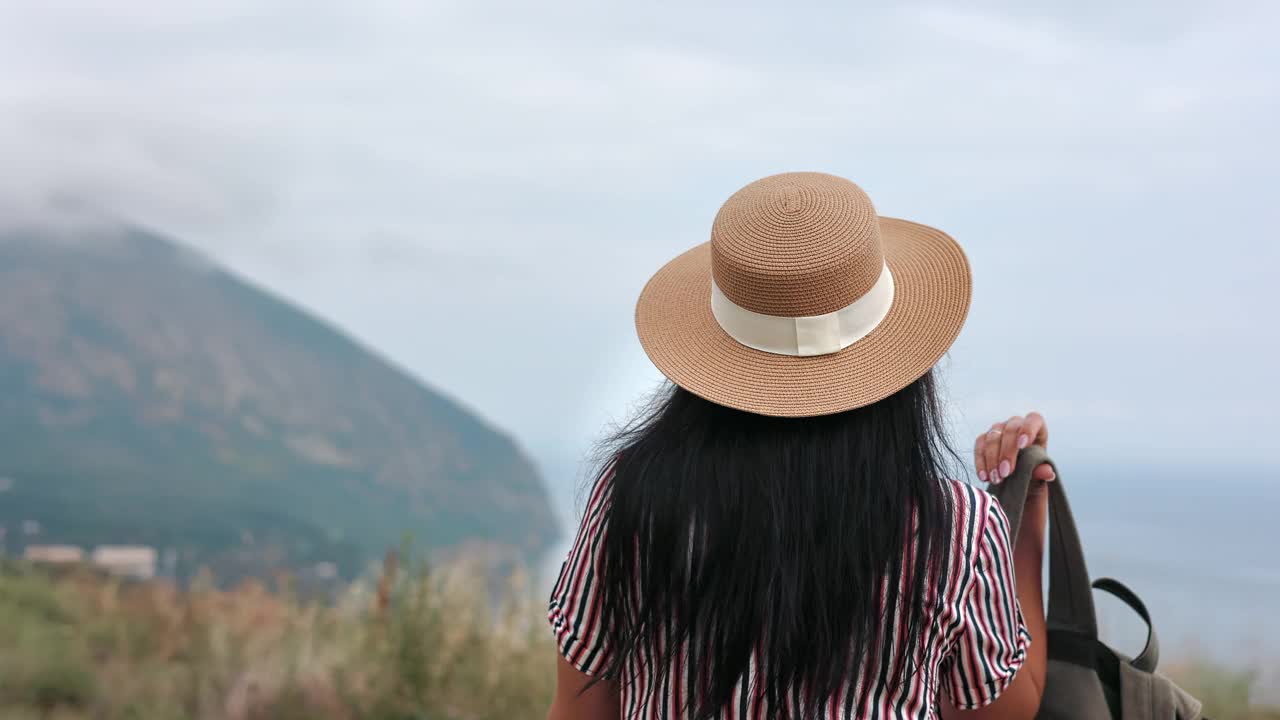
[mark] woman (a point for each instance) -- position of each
(776, 537)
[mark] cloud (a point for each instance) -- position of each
(113, 160)
(479, 189)
(1042, 42)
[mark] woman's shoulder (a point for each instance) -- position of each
(974, 512)
(966, 496)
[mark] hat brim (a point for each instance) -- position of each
(932, 290)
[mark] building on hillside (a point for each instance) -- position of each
(135, 561)
(53, 554)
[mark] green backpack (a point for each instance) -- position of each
(1086, 679)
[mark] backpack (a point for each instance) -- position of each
(1086, 679)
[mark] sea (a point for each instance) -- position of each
(1200, 545)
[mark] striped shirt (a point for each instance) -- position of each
(975, 642)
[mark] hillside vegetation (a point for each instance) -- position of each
(419, 644)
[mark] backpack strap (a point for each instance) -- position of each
(1150, 655)
(1071, 612)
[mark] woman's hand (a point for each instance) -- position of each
(996, 452)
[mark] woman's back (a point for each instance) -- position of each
(973, 643)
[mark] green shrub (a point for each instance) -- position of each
(60, 680)
(46, 668)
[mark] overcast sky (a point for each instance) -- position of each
(479, 190)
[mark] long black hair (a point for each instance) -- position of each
(738, 533)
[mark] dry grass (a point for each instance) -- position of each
(1228, 694)
(427, 645)
(419, 644)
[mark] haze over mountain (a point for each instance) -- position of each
(148, 396)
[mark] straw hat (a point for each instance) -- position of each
(804, 302)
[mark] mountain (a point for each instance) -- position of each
(148, 396)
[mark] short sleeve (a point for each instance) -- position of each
(992, 639)
(575, 606)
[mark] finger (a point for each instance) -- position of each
(1030, 428)
(1044, 471)
(979, 458)
(991, 451)
(1009, 447)
(1035, 429)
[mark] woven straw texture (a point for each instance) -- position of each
(796, 244)
(804, 244)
